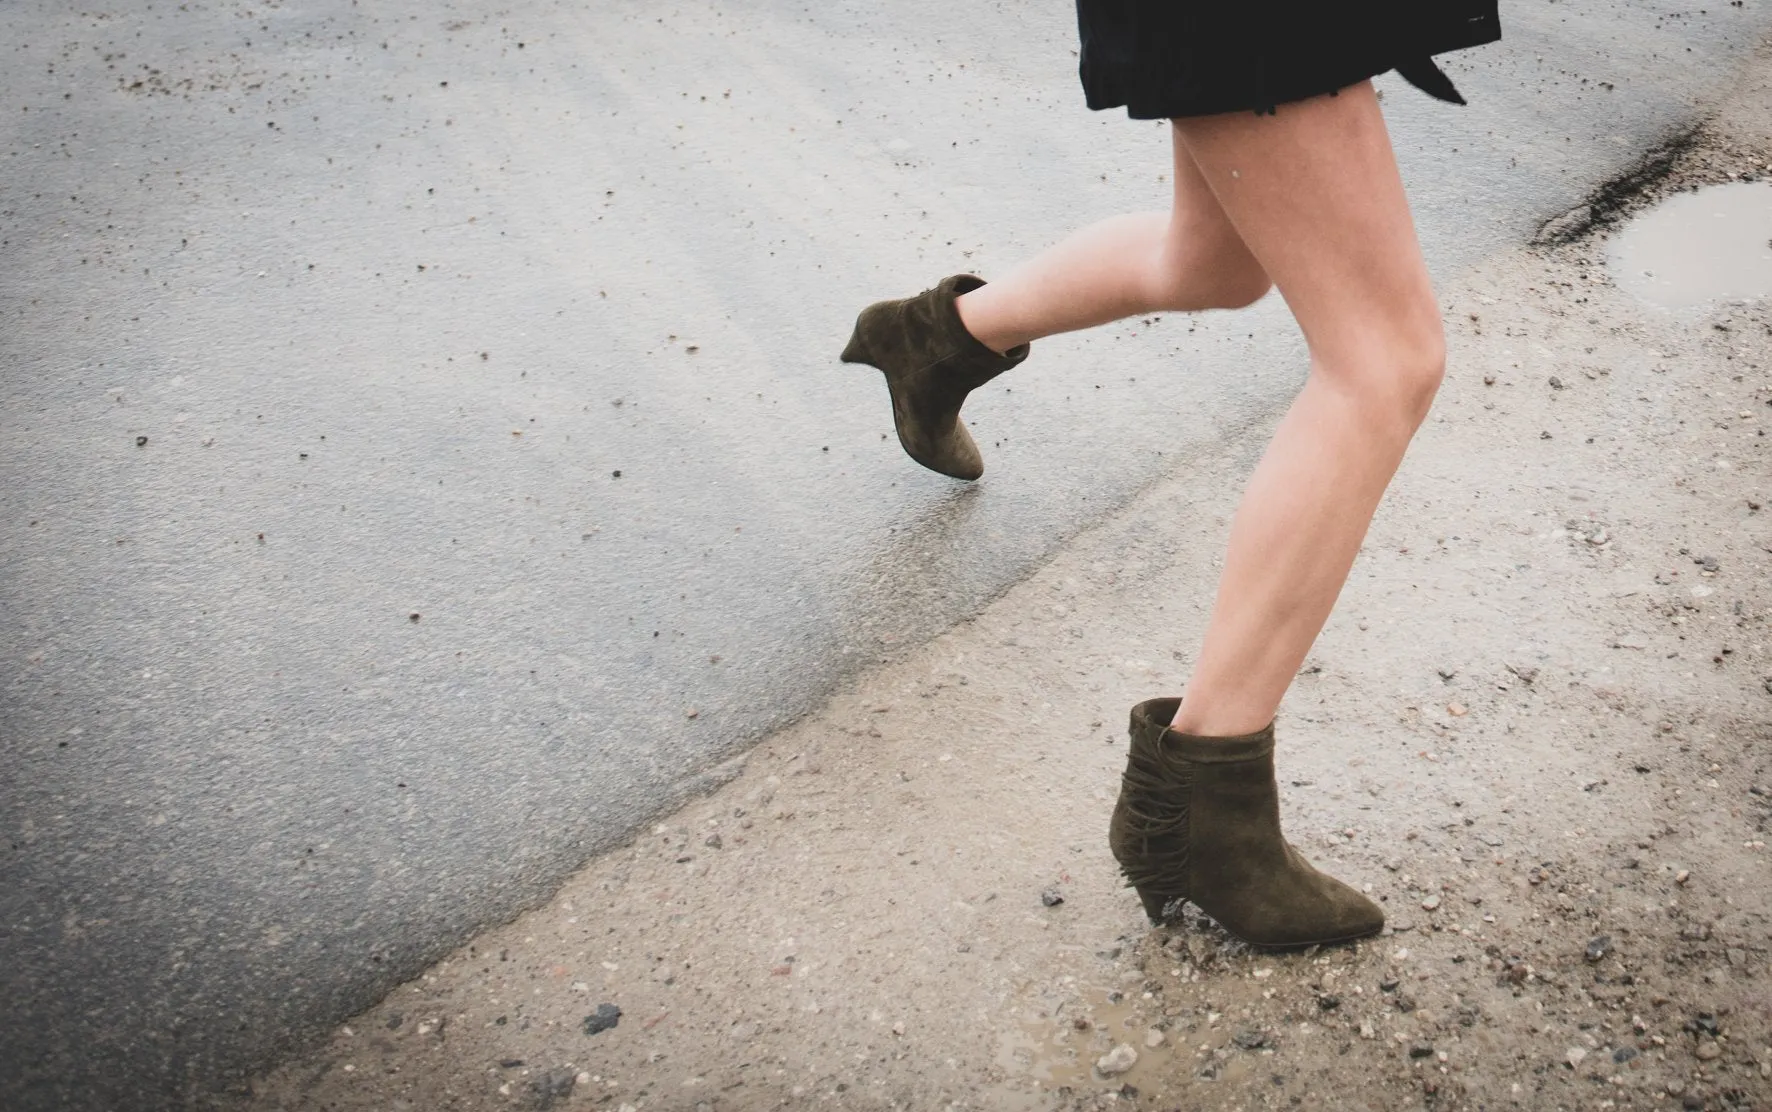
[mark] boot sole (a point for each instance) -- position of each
(1155, 905)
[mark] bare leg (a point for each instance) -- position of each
(1314, 193)
(1187, 259)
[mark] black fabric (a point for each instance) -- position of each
(1165, 58)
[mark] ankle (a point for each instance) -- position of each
(1201, 720)
(975, 317)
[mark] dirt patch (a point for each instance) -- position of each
(1734, 145)
(1537, 729)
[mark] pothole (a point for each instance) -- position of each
(1697, 249)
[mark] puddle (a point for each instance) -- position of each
(1053, 1053)
(1697, 249)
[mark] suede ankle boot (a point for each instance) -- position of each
(931, 363)
(1199, 819)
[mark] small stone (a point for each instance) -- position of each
(692, 712)
(1682, 876)
(1624, 1054)
(605, 1017)
(1708, 1050)
(1457, 710)
(1598, 947)
(1051, 898)
(1116, 1061)
(552, 1087)
(1153, 1039)
(141, 442)
(1328, 1002)
(1389, 984)
(1575, 1056)
(1528, 674)
(1556, 383)
(713, 841)
(1421, 1050)
(1432, 903)
(1252, 1039)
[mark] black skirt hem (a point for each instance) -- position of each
(1100, 98)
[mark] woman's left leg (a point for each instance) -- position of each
(1184, 260)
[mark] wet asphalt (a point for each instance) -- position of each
(423, 455)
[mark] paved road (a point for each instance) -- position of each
(422, 455)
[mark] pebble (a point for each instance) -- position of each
(1051, 898)
(605, 1017)
(1252, 1039)
(1153, 1038)
(1682, 876)
(1432, 903)
(1421, 1050)
(1707, 1050)
(1598, 947)
(552, 1086)
(1457, 710)
(1575, 1057)
(713, 841)
(1116, 1061)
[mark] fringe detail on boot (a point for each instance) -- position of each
(1155, 802)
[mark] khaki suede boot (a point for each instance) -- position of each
(931, 363)
(1199, 819)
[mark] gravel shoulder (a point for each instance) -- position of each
(1537, 728)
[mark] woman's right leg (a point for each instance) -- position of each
(1187, 259)
(1314, 192)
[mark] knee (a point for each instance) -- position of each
(1225, 282)
(1395, 381)
(1419, 374)
(1207, 268)
(1241, 286)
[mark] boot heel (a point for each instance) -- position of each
(856, 351)
(1155, 904)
